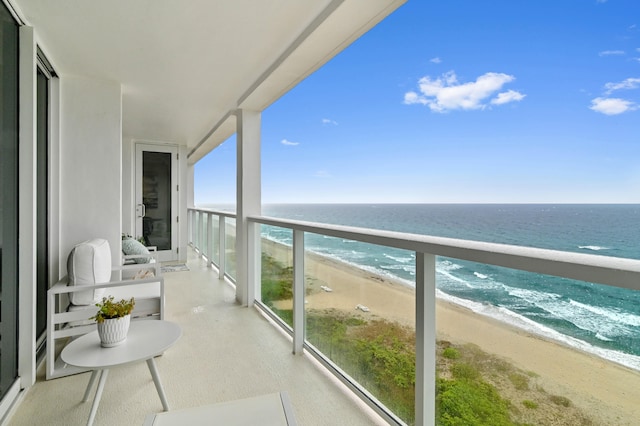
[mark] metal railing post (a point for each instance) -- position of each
(222, 250)
(425, 339)
(298, 291)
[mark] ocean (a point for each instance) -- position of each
(601, 320)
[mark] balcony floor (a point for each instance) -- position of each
(226, 352)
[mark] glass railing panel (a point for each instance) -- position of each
(199, 216)
(360, 313)
(215, 242)
(230, 249)
(276, 284)
(521, 348)
(204, 245)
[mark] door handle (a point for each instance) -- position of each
(144, 210)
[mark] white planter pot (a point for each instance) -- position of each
(113, 332)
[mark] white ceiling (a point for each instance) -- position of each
(186, 65)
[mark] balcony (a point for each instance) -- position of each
(575, 385)
(227, 352)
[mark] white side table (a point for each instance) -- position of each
(146, 339)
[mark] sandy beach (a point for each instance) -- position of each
(606, 391)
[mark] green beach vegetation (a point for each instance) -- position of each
(472, 386)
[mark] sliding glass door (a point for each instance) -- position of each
(42, 210)
(8, 200)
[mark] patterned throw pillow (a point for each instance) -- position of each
(131, 246)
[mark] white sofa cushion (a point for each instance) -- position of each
(89, 263)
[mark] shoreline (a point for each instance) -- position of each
(605, 390)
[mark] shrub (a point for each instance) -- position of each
(463, 402)
(530, 404)
(451, 353)
(520, 381)
(277, 280)
(464, 371)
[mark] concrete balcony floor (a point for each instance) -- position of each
(226, 352)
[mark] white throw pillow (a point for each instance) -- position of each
(135, 247)
(89, 263)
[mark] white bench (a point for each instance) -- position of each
(67, 320)
(265, 410)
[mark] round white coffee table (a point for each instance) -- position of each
(146, 340)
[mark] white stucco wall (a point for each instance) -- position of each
(90, 163)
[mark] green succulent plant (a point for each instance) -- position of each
(110, 309)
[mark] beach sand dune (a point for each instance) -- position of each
(606, 391)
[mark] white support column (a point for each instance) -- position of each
(248, 197)
(298, 291)
(425, 339)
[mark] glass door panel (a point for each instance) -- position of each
(156, 198)
(8, 200)
(42, 250)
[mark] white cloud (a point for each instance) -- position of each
(611, 53)
(628, 84)
(289, 143)
(445, 93)
(612, 106)
(435, 60)
(506, 97)
(322, 174)
(329, 121)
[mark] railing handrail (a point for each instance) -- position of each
(214, 211)
(613, 271)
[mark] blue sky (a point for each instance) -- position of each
(460, 102)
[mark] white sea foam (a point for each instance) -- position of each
(481, 276)
(405, 259)
(594, 248)
(514, 319)
(279, 240)
(612, 314)
(411, 269)
(452, 277)
(585, 317)
(447, 265)
(603, 338)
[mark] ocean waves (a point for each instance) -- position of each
(522, 322)
(601, 320)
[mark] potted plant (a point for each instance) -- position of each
(113, 320)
